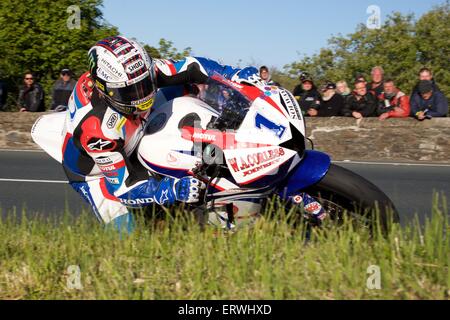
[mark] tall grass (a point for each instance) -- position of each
(174, 259)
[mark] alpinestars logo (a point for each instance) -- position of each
(99, 145)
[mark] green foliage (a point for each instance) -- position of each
(167, 51)
(402, 46)
(35, 36)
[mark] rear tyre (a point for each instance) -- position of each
(342, 192)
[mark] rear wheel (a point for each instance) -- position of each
(344, 193)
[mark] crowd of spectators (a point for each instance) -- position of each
(378, 98)
(32, 96)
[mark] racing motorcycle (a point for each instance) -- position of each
(247, 142)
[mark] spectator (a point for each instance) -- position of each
(427, 75)
(31, 95)
(332, 103)
(429, 102)
(62, 89)
(361, 103)
(343, 89)
(376, 86)
(392, 102)
(3, 95)
(309, 99)
(298, 90)
(265, 76)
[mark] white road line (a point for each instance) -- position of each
(35, 181)
(394, 163)
(19, 150)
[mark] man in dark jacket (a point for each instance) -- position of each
(3, 95)
(361, 103)
(309, 100)
(425, 74)
(428, 103)
(31, 95)
(62, 89)
(332, 103)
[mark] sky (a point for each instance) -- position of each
(270, 32)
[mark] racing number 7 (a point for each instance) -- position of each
(260, 120)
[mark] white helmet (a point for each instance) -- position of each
(124, 74)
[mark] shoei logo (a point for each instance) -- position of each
(134, 66)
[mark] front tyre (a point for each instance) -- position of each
(342, 192)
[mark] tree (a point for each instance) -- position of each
(402, 46)
(167, 51)
(43, 36)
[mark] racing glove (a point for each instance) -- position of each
(165, 192)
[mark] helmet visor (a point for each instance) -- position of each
(136, 96)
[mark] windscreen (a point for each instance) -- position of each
(231, 105)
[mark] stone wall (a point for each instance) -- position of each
(343, 138)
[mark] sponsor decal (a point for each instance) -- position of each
(297, 199)
(257, 161)
(145, 105)
(204, 136)
(163, 197)
(103, 160)
(99, 85)
(134, 66)
(136, 201)
(290, 105)
(102, 74)
(313, 207)
(100, 145)
(111, 123)
(112, 180)
(111, 68)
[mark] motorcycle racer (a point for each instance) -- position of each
(105, 121)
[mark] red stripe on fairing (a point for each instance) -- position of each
(172, 67)
(105, 191)
(224, 140)
(66, 140)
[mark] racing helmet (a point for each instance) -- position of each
(124, 74)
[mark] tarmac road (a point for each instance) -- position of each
(34, 181)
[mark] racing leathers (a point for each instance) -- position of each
(98, 150)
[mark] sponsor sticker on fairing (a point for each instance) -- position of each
(247, 165)
(313, 207)
(297, 199)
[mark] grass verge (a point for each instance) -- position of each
(175, 260)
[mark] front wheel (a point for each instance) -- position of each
(342, 192)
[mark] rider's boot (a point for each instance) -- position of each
(313, 211)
